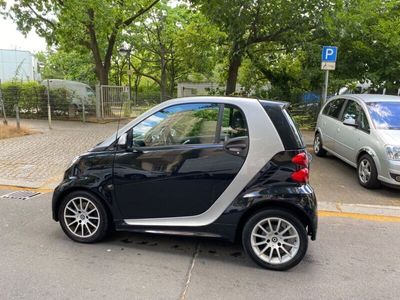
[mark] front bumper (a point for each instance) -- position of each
(391, 173)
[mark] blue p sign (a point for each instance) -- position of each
(329, 54)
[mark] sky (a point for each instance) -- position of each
(11, 38)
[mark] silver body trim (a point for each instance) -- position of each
(264, 143)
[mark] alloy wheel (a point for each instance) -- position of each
(317, 144)
(275, 240)
(364, 171)
(81, 217)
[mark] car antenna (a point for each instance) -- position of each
(119, 121)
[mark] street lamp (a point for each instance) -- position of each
(127, 53)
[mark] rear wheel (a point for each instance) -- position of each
(318, 150)
(83, 217)
(367, 172)
(275, 239)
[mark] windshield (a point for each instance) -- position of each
(385, 115)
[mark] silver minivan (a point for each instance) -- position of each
(364, 131)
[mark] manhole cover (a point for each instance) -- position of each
(20, 195)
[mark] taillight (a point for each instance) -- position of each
(302, 175)
(301, 159)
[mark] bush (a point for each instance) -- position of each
(31, 98)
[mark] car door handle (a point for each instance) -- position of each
(236, 147)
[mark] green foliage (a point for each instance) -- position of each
(69, 65)
(31, 98)
(91, 26)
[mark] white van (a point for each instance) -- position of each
(81, 93)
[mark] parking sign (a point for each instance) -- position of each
(329, 54)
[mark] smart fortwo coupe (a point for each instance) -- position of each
(231, 168)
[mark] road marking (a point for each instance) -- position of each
(376, 218)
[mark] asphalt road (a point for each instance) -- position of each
(351, 259)
(335, 181)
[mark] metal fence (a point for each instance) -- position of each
(36, 101)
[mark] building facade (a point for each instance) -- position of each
(18, 65)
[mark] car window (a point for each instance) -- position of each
(233, 123)
(363, 121)
(385, 115)
(333, 108)
(354, 111)
(351, 112)
(178, 125)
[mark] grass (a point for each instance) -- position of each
(10, 131)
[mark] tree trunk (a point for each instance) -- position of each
(235, 60)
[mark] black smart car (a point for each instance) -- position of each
(232, 168)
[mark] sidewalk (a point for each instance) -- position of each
(39, 160)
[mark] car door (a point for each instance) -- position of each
(353, 128)
(330, 123)
(183, 158)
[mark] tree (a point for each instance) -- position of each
(170, 43)
(251, 22)
(93, 25)
(71, 65)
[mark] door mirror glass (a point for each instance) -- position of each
(350, 122)
(122, 141)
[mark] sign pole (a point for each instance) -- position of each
(48, 103)
(325, 95)
(328, 62)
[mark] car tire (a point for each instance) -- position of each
(83, 217)
(317, 146)
(367, 173)
(277, 249)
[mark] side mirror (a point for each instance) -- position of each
(350, 122)
(125, 141)
(122, 141)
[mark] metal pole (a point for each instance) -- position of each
(48, 103)
(83, 111)
(17, 116)
(325, 95)
(129, 79)
(3, 107)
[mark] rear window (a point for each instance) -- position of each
(285, 126)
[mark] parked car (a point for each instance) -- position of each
(81, 93)
(231, 168)
(364, 131)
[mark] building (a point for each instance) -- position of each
(18, 65)
(188, 89)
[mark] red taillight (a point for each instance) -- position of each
(301, 176)
(301, 159)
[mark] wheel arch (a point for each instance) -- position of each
(70, 190)
(270, 205)
(370, 152)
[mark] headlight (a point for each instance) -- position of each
(393, 152)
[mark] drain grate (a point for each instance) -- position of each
(20, 195)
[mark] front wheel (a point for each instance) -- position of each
(367, 172)
(83, 217)
(275, 239)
